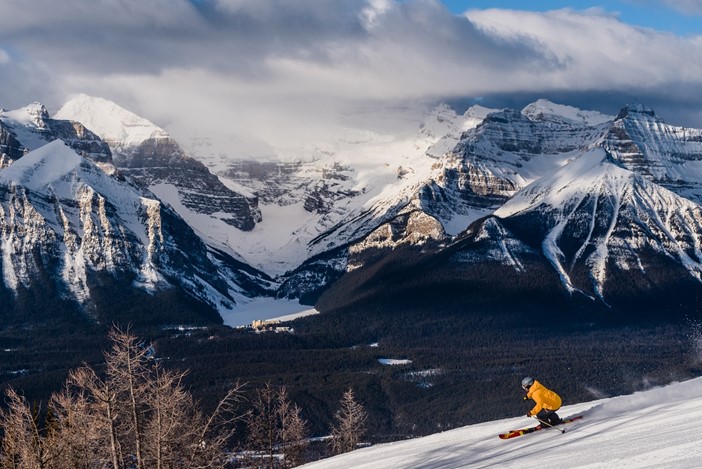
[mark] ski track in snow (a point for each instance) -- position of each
(658, 428)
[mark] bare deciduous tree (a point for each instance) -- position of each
(293, 429)
(130, 375)
(78, 445)
(214, 432)
(262, 425)
(350, 424)
(137, 416)
(23, 445)
(275, 427)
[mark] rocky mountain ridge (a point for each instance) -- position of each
(149, 156)
(76, 229)
(634, 227)
(509, 181)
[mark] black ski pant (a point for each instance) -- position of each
(548, 416)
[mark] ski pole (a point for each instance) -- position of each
(546, 423)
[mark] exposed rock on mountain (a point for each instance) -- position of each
(64, 217)
(148, 155)
(668, 155)
(30, 127)
(583, 196)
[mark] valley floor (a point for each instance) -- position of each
(658, 428)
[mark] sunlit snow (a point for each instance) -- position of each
(122, 126)
(658, 428)
(394, 361)
(266, 309)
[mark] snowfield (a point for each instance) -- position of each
(654, 429)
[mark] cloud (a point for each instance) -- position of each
(597, 51)
(270, 67)
(688, 7)
(599, 55)
(380, 41)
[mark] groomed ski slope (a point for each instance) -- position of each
(658, 428)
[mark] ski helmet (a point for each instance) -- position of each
(527, 382)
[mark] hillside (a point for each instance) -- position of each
(651, 429)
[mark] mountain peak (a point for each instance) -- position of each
(37, 112)
(107, 119)
(34, 114)
(635, 109)
(43, 166)
(476, 114)
(545, 110)
(571, 181)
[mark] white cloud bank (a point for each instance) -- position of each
(274, 67)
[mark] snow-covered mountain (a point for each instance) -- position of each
(575, 205)
(31, 127)
(667, 155)
(74, 228)
(649, 429)
(593, 217)
(493, 154)
(149, 156)
(331, 193)
(596, 199)
(331, 207)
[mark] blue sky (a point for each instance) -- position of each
(678, 17)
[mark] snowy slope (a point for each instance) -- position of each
(658, 428)
(611, 214)
(328, 192)
(121, 130)
(147, 154)
(85, 222)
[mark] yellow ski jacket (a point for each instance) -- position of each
(544, 398)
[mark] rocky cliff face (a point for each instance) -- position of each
(30, 127)
(149, 156)
(10, 148)
(81, 234)
(624, 232)
(667, 155)
(505, 167)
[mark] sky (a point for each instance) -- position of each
(273, 69)
(681, 17)
(658, 428)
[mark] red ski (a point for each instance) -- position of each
(524, 431)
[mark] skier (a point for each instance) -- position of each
(547, 401)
